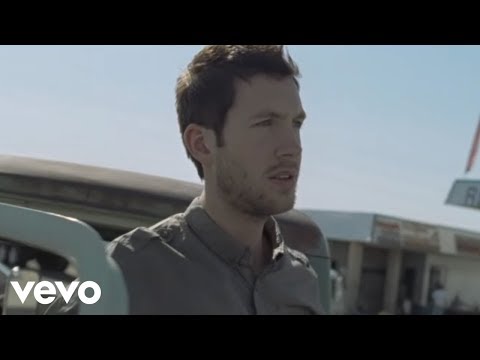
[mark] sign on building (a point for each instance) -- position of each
(465, 193)
(396, 233)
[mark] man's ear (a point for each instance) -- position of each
(198, 141)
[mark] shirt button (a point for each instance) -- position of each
(165, 234)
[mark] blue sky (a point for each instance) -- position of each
(389, 128)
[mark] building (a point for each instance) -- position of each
(386, 260)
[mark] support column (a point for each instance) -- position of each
(392, 280)
(354, 273)
(426, 281)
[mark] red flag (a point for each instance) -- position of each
(474, 149)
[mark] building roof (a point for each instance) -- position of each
(395, 232)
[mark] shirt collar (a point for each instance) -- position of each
(220, 242)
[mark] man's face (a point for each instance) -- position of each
(257, 168)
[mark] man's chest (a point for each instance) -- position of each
(210, 287)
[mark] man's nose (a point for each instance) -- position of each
(289, 145)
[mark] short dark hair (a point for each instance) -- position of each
(205, 90)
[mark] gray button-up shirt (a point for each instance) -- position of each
(187, 264)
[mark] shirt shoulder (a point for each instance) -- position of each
(149, 250)
(136, 240)
(150, 262)
(298, 258)
(303, 278)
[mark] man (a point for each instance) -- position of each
(440, 299)
(240, 115)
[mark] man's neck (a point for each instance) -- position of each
(243, 228)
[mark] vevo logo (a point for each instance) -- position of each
(45, 288)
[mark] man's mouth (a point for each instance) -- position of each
(284, 179)
(284, 176)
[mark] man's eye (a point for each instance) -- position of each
(298, 123)
(267, 122)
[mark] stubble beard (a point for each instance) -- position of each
(240, 192)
